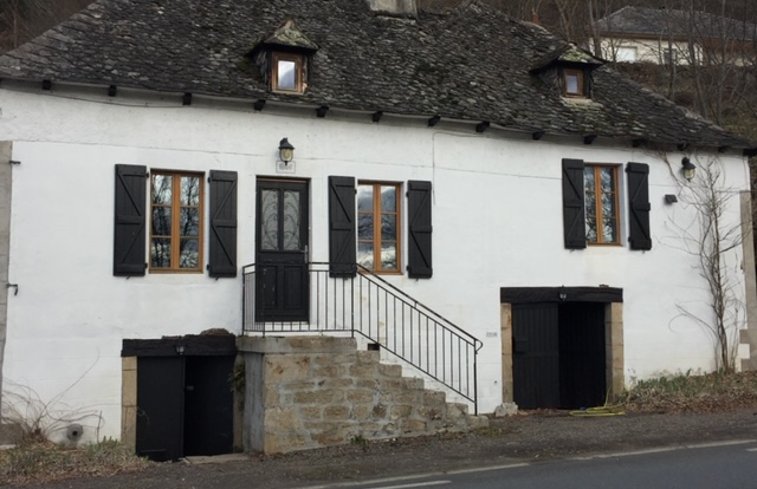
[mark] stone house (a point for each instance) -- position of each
(281, 224)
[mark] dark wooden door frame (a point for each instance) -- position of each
(610, 296)
(282, 262)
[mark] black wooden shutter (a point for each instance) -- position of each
(342, 245)
(129, 240)
(419, 229)
(639, 236)
(222, 239)
(574, 222)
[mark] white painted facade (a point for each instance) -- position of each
(657, 51)
(497, 223)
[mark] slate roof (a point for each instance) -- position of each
(470, 63)
(664, 22)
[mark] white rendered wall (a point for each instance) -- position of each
(497, 223)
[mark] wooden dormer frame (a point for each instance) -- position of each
(581, 75)
(299, 72)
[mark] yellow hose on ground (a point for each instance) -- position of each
(612, 410)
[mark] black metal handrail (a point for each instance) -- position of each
(372, 307)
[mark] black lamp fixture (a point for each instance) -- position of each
(688, 169)
(286, 151)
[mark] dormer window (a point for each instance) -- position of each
(573, 82)
(569, 70)
(287, 72)
(283, 58)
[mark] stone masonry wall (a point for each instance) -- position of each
(309, 392)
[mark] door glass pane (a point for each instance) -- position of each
(161, 221)
(190, 222)
(161, 189)
(160, 253)
(269, 216)
(365, 254)
(609, 210)
(388, 199)
(189, 253)
(590, 203)
(389, 255)
(365, 198)
(389, 227)
(190, 191)
(287, 76)
(291, 220)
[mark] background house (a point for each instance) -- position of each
(672, 36)
(527, 194)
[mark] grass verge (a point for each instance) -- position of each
(693, 393)
(36, 462)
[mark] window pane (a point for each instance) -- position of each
(389, 227)
(388, 199)
(189, 256)
(365, 198)
(291, 220)
(590, 204)
(365, 254)
(365, 226)
(287, 74)
(571, 83)
(269, 213)
(609, 216)
(160, 253)
(161, 189)
(190, 191)
(190, 222)
(389, 255)
(161, 221)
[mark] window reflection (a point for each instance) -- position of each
(378, 224)
(601, 204)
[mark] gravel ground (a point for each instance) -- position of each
(531, 437)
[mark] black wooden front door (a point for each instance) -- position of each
(282, 285)
(536, 356)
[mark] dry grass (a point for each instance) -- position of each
(35, 462)
(694, 393)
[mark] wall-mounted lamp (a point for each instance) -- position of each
(563, 294)
(688, 169)
(179, 349)
(286, 151)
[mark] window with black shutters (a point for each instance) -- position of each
(176, 217)
(378, 244)
(601, 206)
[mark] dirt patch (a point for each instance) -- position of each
(535, 436)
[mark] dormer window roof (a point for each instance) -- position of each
(572, 67)
(283, 57)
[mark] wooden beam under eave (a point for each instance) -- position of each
(537, 135)
(112, 91)
(434, 120)
(321, 111)
(482, 126)
(186, 99)
(376, 116)
(638, 142)
(589, 138)
(259, 105)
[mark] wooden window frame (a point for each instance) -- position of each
(377, 211)
(581, 75)
(299, 72)
(596, 167)
(175, 222)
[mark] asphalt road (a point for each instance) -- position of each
(722, 465)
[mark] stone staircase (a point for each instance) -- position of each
(307, 392)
